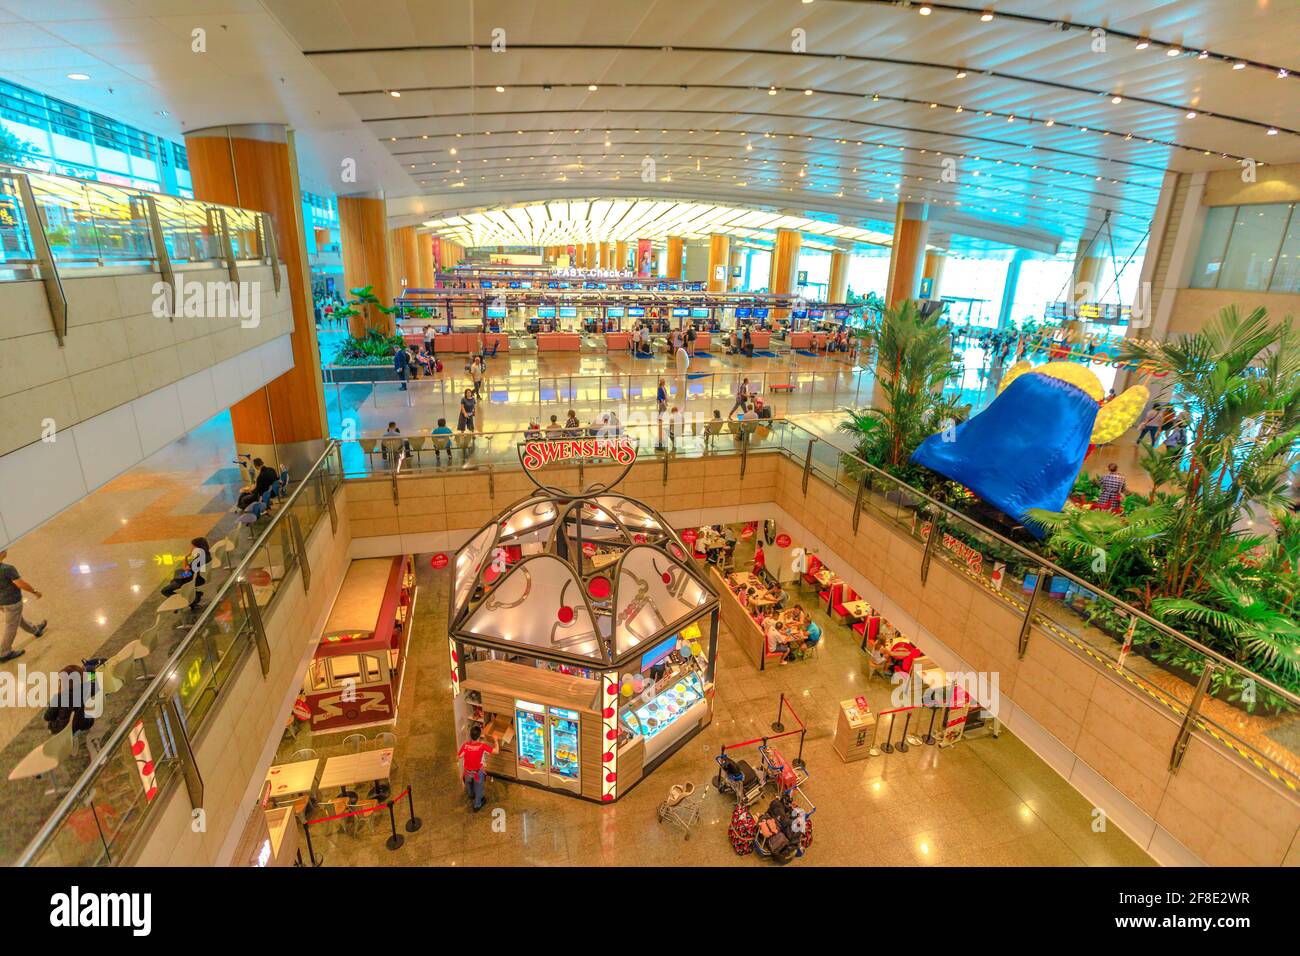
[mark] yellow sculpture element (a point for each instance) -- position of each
(1113, 419)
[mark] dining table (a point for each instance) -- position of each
(857, 609)
(289, 780)
(367, 766)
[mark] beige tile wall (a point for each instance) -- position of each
(116, 349)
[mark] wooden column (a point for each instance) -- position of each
(719, 259)
(424, 249)
(255, 167)
(590, 258)
(785, 260)
(839, 284)
(733, 267)
(364, 241)
(676, 249)
(405, 259)
(620, 255)
(911, 230)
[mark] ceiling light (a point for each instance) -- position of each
(1282, 74)
(78, 76)
(592, 87)
(1117, 100)
(986, 16)
(1050, 122)
(1173, 51)
(1203, 55)
(1143, 44)
(961, 74)
(807, 92)
(957, 110)
(925, 11)
(453, 151)
(1191, 114)
(933, 105)
(1239, 65)
(771, 91)
(394, 94)
(1272, 131)
(501, 89)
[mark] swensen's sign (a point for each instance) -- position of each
(539, 454)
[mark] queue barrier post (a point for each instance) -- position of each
(414, 823)
(395, 841)
(888, 746)
(780, 705)
(902, 744)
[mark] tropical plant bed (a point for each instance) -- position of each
(361, 373)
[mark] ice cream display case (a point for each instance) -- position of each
(583, 640)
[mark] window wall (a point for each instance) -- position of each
(868, 274)
(1249, 247)
(974, 288)
(57, 137)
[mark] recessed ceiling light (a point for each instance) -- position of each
(1282, 74)
(1173, 51)
(961, 74)
(1239, 65)
(453, 151)
(1272, 131)
(807, 92)
(1050, 122)
(1191, 114)
(1143, 44)
(592, 87)
(1117, 100)
(925, 11)
(1203, 55)
(395, 94)
(986, 16)
(501, 89)
(78, 76)
(771, 91)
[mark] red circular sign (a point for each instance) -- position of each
(439, 561)
(690, 535)
(259, 577)
(747, 532)
(588, 548)
(598, 587)
(783, 541)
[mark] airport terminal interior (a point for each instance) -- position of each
(729, 434)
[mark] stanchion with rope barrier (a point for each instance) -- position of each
(779, 727)
(394, 841)
(748, 786)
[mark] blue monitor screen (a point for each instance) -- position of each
(658, 653)
(525, 285)
(816, 313)
(546, 311)
(552, 285)
(841, 313)
(496, 312)
(514, 285)
(589, 285)
(568, 312)
(699, 313)
(759, 313)
(614, 312)
(487, 283)
(681, 313)
(742, 313)
(799, 314)
(635, 312)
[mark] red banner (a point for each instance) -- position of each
(643, 258)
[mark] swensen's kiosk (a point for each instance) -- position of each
(583, 641)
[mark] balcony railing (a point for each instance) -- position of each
(95, 823)
(1201, 689)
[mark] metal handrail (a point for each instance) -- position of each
(155, 690)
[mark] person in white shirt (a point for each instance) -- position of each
(775, 640)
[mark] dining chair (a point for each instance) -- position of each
(353, 743)
(305, 754)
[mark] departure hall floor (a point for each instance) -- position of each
(982, 802)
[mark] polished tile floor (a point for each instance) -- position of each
(983, 802)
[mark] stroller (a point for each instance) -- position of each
(741, 779)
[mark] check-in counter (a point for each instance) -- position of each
(618, 340)
(558, 342)
(762, 338)
(703, 341)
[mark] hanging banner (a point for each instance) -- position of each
(643, 258)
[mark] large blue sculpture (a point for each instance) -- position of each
(1025, 450)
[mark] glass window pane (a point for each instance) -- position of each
(1214, 239)
(1286, 277)
(1256, 235)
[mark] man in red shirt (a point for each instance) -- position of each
(471, 754)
